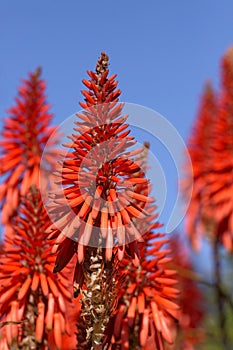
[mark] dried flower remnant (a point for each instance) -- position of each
(30, 293)
(98, 201)
(99, 298)
(25, 132)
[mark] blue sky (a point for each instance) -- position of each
(162, 51)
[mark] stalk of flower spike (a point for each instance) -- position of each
(25, 132)
(30, 293)
(200, 146)
(99, 300)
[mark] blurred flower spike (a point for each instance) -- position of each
(210, 148)
(99, 202)
(25, 132)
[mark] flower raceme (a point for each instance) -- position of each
(99, 200)
(200, 146)
(33, 300)
(26, 131)
(210, 149)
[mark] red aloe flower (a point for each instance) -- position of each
(200, 149)
(98, 201)
(26, 131)
(147, 309)
(32, 297)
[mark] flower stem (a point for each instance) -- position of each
(219, 296)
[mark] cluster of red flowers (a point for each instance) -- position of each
(102, 214)
(210, 148)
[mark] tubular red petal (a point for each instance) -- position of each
(40, 323)
(104, 222)
(109, 243)
(53, 287)
(50, 312)
(44, 284)
(118, 321)
(57, 331)
(87, 230)
(132, 311)
(6, 295)
(24, 289)
(145, 328)
(85, 207)
(155, 314)
(80, 252)
(141, 303)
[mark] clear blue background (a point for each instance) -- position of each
(162, 51)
